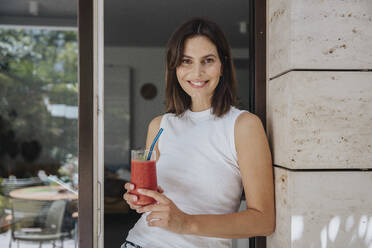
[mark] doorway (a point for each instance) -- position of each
(134, 85)
(136, 34)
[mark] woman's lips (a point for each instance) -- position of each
(198, 84)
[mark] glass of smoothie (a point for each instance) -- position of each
(143, 174)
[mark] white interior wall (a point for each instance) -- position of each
(148, 65)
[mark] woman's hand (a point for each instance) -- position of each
(164, 213)
(131, 198)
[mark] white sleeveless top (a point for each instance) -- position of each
(198, 171)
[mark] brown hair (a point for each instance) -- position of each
(224, 96)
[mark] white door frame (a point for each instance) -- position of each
(91, 129)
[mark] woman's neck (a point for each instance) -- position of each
(197, 106)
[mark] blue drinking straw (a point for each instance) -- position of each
(153, 143)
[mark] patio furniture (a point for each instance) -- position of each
(75, 216)
(5, 220)
(47, 193)
(37, 221)
(8, 185)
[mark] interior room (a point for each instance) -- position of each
(136, 34)
(135, 37)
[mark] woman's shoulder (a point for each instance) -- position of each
(155, 123)
(234, 113)
(242, 120)
(247, 121)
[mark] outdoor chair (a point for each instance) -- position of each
(37, 221)
(4, 221)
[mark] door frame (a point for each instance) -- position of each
(258, 69)
(90, 27)
(258, 54)
(91, 85)
(86, 120)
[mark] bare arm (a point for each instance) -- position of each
(258, 219)
(254, 159)
(152, 131)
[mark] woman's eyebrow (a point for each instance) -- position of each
(208, 55)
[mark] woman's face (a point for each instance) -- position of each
(200, 69)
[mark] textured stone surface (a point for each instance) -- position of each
(319, 34)
(279, 35)
(322, 209)
(282, 235)
(321, 120)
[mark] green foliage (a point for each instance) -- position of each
(36, 67)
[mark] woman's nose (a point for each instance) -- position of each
(197, 69)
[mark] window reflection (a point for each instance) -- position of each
(38, 132)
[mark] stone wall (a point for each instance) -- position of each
(319, 121)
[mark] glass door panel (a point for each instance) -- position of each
(38, 135)
(136, 34)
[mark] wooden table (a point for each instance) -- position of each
(43, 193)
(47, 193)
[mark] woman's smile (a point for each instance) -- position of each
(198, 83)
(199, 71)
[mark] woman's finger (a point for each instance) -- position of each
(125, 196)
(134, 206)
(128, 186)
(158, 223)
(160, 189)
(133, 198)
(154, 194)
(130, 198)
(156, 216)
(153, 208)
(131, 201)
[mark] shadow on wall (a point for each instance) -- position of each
(354, 231)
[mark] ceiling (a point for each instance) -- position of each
(135, 22)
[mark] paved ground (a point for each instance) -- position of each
(5, 237)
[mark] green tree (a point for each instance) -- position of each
(37, 68)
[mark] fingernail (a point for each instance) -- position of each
(140, 190)
(131, 186)
(135, 198)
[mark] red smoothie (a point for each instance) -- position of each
(143, 175)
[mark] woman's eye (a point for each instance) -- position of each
(208, 61)
(186, 61)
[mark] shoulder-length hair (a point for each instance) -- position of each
(224, 96)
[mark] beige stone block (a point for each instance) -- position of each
(279, 35)
(321, 120)
(322, 209)
(319, 34)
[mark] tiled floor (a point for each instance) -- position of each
(5, 237)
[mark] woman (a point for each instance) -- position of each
(209, 151)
